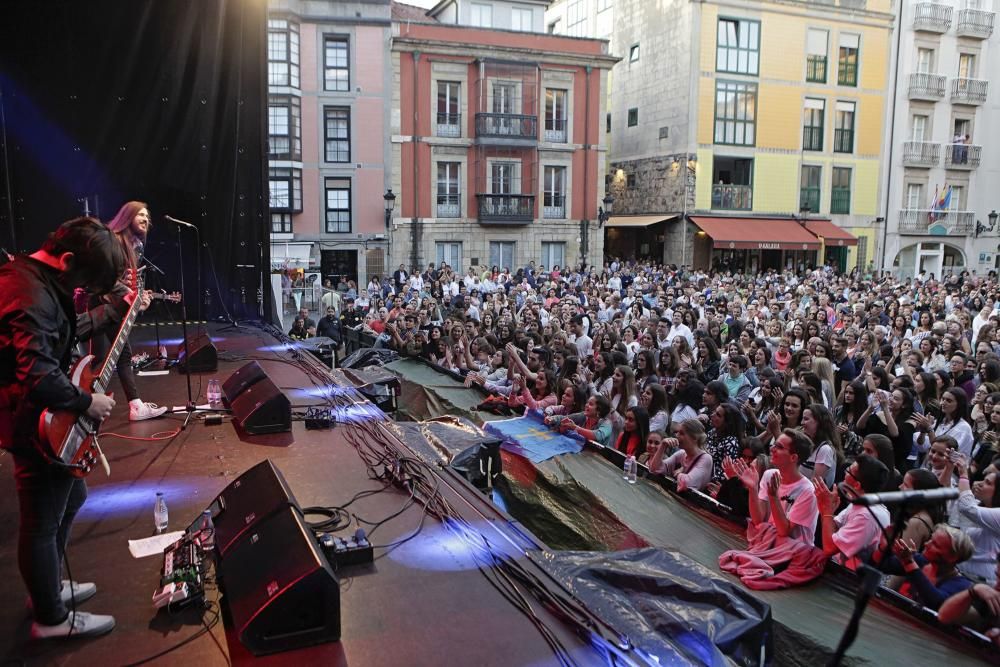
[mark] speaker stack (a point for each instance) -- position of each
(204, 355)
(257, 404)
(279, 586)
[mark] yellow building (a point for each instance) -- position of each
(786, 106)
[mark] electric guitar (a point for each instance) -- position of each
(70, 439)
(172, 297)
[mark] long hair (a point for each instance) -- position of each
(826, 429)
(122, 222)
(641, 429)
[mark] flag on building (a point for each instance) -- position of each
(941, 204)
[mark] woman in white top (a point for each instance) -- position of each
(688, 401)
(690, 465)
(654, 399)
(954, 421)
(818, 424)
(977, 513)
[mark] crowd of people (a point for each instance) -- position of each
(781, 394)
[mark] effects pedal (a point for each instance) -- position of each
(344, 552)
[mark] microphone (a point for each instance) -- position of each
(179, 222)
(925, 497)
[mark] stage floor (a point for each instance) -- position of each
(421, 604)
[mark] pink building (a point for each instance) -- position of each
(328, 113)
(497, 147)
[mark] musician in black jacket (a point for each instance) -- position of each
(38, 328)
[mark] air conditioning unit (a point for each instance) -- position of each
(379, 237)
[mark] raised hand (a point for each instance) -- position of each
(826, 498)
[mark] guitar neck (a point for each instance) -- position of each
(111, 362)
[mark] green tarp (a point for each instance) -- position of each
(581, 502)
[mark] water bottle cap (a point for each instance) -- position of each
(159, 493)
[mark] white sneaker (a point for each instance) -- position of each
(140, 410)
(79, 624)
(80, 592)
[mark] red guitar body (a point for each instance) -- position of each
(69, 437)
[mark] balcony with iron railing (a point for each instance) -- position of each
(969, 91)
(554, 206)
(555, 130)
(925, 86)
(506, 209)
(921, 154)
(937, 223)
(962, 156)
(732, 197)
(449, 124)
(975, 23)
(931, 17)
(507, 128)
(449, 206)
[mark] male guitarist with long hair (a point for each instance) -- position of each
(38, 329)
(130, 226)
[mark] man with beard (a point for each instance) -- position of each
(329, 326)
(130, 226)
(38, 329)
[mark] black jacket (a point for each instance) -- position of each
(38, 329)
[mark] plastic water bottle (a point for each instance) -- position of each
(207, 528)
(214, 393)
(631, 468)
(160, 516)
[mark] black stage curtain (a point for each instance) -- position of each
(163, 101)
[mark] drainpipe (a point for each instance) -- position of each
(585, 222)
(415, 226)
(892, 131)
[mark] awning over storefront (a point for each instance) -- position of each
(832, 234)
(757, 233)
(638, 220)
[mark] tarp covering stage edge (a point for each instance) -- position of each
(580, 502)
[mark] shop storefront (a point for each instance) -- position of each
(835, 242)
(636, 236)
(749, 245)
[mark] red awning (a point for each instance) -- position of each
(832, 234)
(757, 233)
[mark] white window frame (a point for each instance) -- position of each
(552, 251)
(502, 246)
(554, 188)
(449, 252)
(452, 206)
(481, 15)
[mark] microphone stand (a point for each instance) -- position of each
(870, 577)
(190, 407)
(156, 316)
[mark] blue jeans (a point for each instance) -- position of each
(49, 499)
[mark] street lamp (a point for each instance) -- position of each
(390, 204)
(980, 227)
(603, 214)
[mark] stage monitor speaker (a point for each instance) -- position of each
(253, 496)
(262, 408)
(204, 355)
(280, 588)
(246, 376)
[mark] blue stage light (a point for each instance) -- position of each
(129, 499)
(450, 547)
